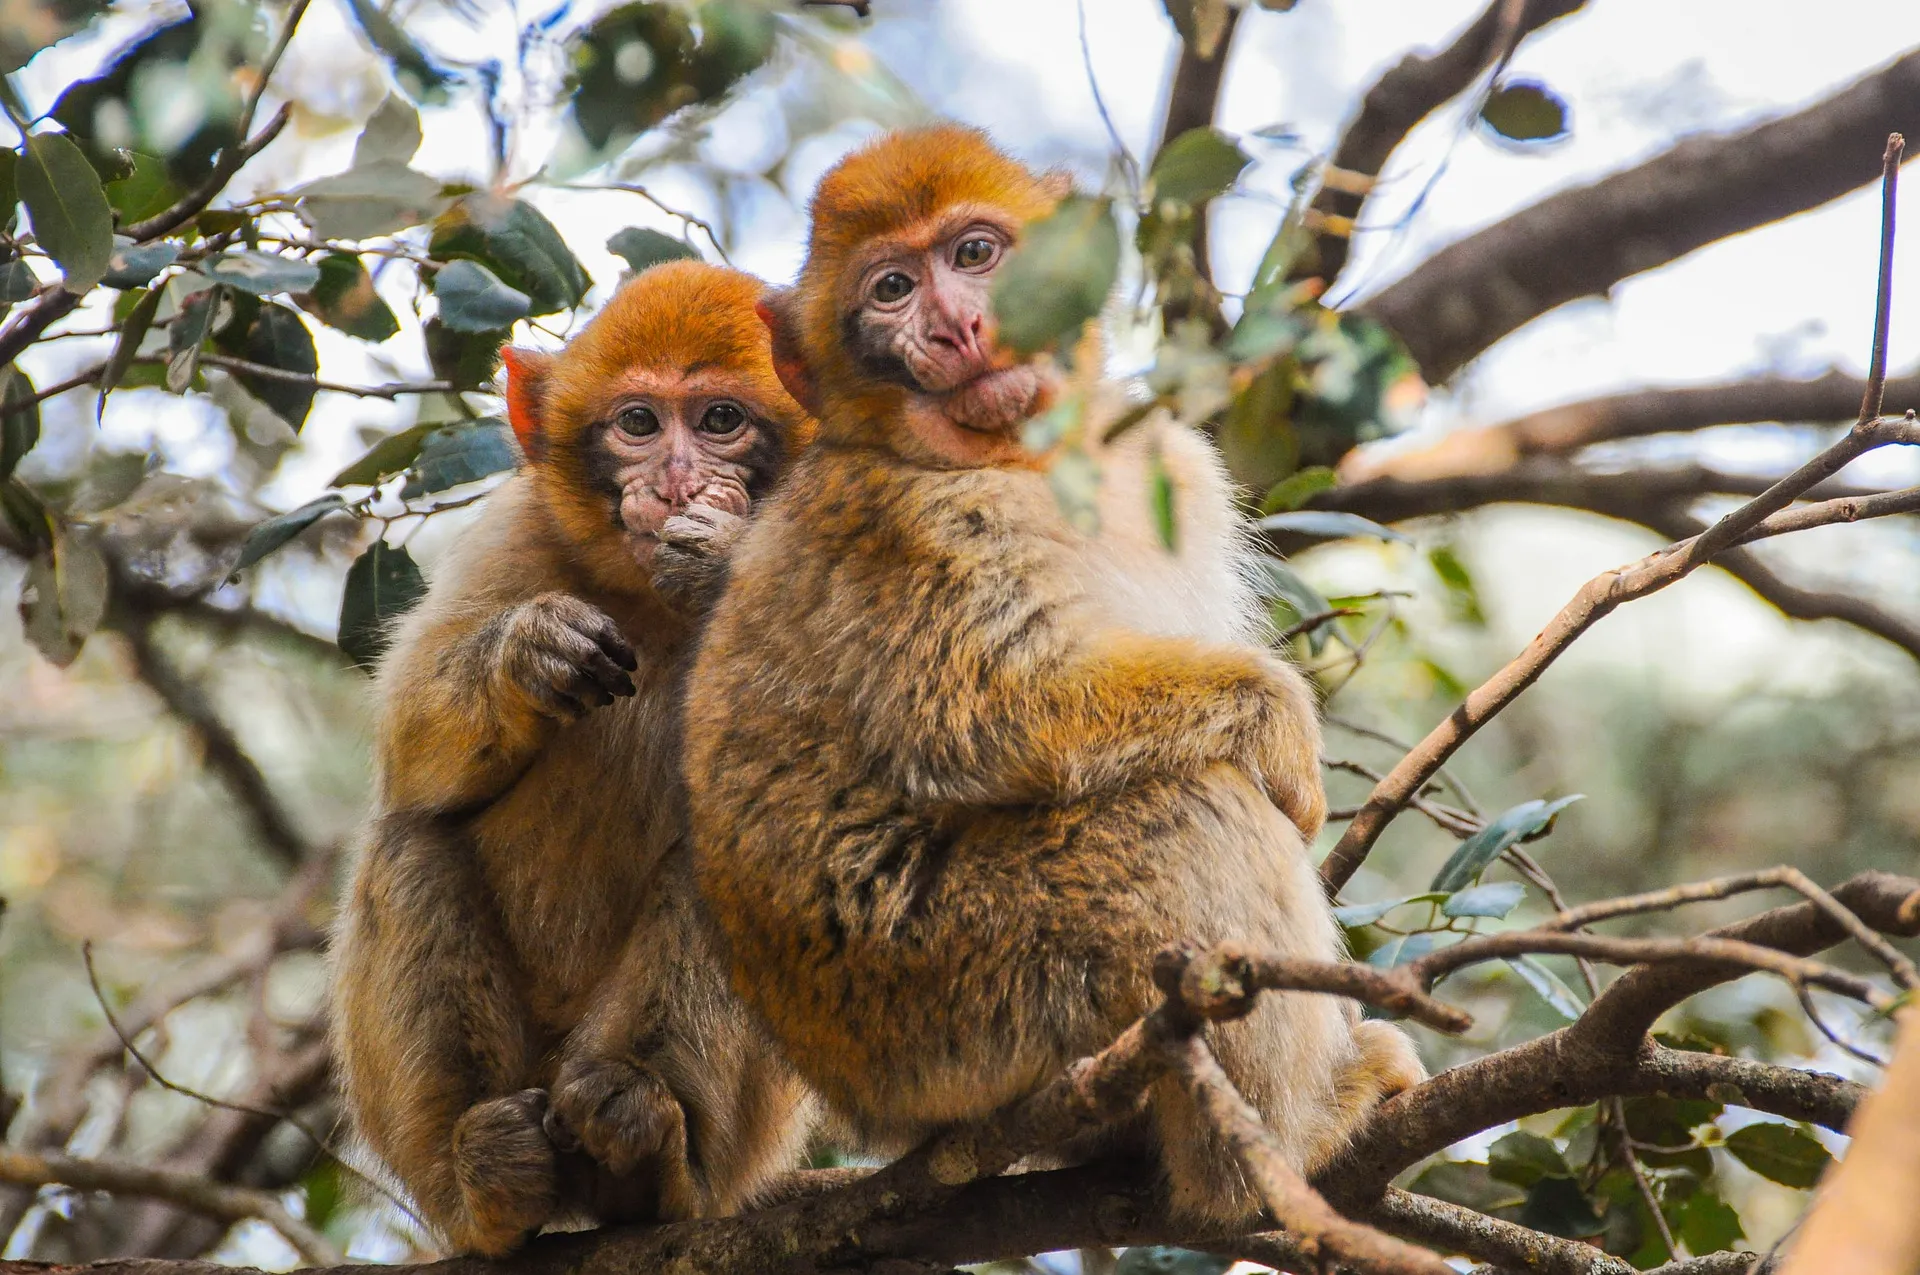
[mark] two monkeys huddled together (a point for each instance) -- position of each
(776, 751)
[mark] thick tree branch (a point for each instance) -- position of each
(1580, 242)
(1192, 100)
(1415, 87)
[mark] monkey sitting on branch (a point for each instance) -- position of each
(958, 768)
(530, 1024)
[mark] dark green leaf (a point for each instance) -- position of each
(1359, 914)
(373, 199)
(383, 584)
(1506, 829)
(17, 282)
(1196, 166)
(134, 265)
(1525, 1158)
(642, 247)
(1280, 581)
(461, 454)
(198, 318)
(143, 193)
(1257, 438)
(513, 240)
(1494, 900)
(641, 62)
(472, 298)
(33, 27)
(1525, 111)
(276, 337)
(392, 133)
(9, 193)
(322, 1188)
(1401, 949)
(126, 344)
(416, 71)
(466, 360)
(1059, 276)
(1297, 489)
(19, 419)
(260, 273)
(345, 298)
(1165, 515)
(1785, 1153)
(391, 455)
(1467, 1182)
(71, 217)
(1548, 986)
(64, 596)
(1329, 524)
(281, 528)
(1558, 1206)
(1463, 599)
(1708, 1224)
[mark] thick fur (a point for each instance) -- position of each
(957, 770)
(520, 919)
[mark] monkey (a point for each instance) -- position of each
(956, 766)
(530, 1024)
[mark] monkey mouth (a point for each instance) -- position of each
(995, 401)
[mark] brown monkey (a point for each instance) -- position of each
(957, 769)
(521, 918)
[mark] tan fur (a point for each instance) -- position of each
(957, 770)
(520, 919)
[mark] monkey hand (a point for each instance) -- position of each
(690, 566)
(621, 1115)
(564, 656)
(1286, 747)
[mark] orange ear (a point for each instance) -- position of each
(527, 372)
(778, 309)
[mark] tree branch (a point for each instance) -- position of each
(1582, 241)
(1192, 100)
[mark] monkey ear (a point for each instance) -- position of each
(779, 309)
(527, 372)
(1056, 184)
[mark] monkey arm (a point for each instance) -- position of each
(470, 701)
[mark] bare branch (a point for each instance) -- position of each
(1580, 242)
(1192, 100)
(201, 1195)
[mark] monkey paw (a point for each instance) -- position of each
(565, 655)
(689, 566)
(619, 1114)
(504, 1164)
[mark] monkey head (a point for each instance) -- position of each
(667, 399)
(889, 336)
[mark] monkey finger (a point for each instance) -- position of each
(559, 1133)
(606, 675)
(556, 702)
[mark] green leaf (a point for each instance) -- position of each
(466, 360)
(9, 192)
(1163, 1260)
(1559, 1207)
(19, 419)
(282, 528)
(134, 265)
(259, 273)
(371, 199)
(71, 217)
(391, 455)
(1196, 166)
(1401, 949)
(383, 584)
(1785, 1153)
(1708, 1224)
(64, 596)
(416, 71)
(642, 247)
(513, 240)
(1075, 479)
(126, 344)
(202, 313)
(143, 193)
(1463, 598)
(1525, 1158)
(17, 281)
(1282, 582)
(1548, 986)
(345, 298)
(392, 133)
(1165, 516)
(1358, 914)
(1467, 1182)
(1525, 111)
(473, 299)
(640, 62)
(1257, 438)
(1494, 900)
(1506, 829)
(459, 454)
(1059, 276)
(1329, 524)
(275, 337)
(1297, 489)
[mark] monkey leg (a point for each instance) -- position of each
(433, 1043)
(680, 1098)
(939, 966)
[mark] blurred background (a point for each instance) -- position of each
(179, 793)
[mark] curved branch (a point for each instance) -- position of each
(1582, 241)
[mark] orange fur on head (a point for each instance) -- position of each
(895, 188)
(674, 318)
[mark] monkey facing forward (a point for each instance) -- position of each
(956, 769)
(521, 918)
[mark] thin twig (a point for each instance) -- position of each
(1874, 398)
(688, 218)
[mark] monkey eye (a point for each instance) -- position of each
(892, 287)
(637, 421)
(722, 418)
(973, 253)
